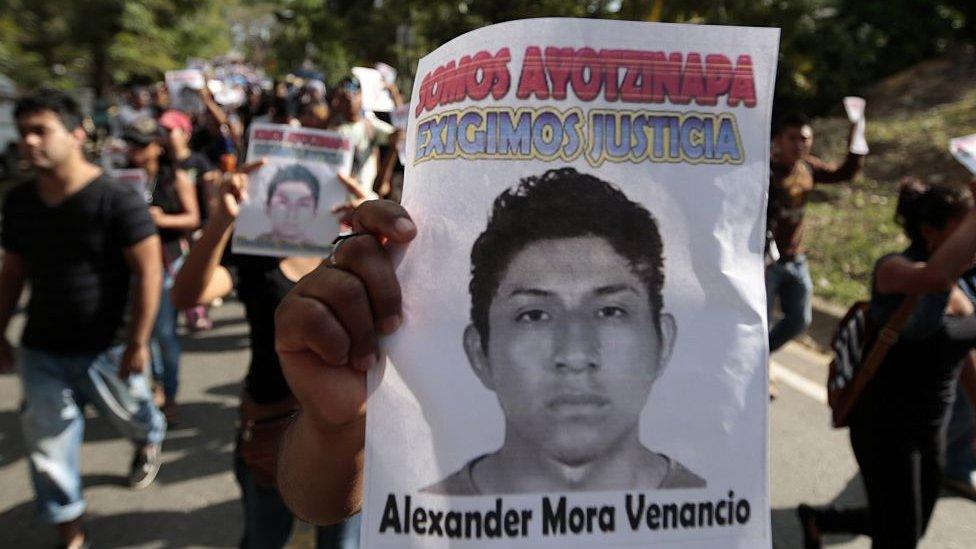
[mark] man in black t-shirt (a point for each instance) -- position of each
(89, 249)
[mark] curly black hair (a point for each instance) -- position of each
(294, 172)
(563, 203)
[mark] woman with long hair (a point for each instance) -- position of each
(897, 425)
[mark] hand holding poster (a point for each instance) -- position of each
(964, 151)
(854, 107)
(376, 97)
(288, 211)
(184, 89)
(593, 194)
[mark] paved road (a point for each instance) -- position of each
(195, 499)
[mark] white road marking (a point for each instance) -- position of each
(816, 391)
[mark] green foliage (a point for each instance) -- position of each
(829, 48)
(850, 226)
(99, 42)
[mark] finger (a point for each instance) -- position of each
(250, 167)
(384, 219)
(303, 324)
(345, 296)
(365, 257)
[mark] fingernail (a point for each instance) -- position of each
(389, 324)
(364, 362)
(404, 227)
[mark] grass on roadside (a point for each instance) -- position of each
(850, 226)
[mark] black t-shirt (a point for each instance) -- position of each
(165, 197)
(915, 384)
(73, 253)
(195, 166)
(261, 286)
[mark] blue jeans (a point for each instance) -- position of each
(789, 280)
(166, 344)
(268, 522)
(960, 458)
(56, 388)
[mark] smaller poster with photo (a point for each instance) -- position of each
(288, 210)
(184, 89)
(137, 178)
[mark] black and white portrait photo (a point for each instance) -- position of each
(568, 329)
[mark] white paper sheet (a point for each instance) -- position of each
(963, 149)
(376, 98)
(563, 379)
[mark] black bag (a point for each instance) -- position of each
(855, 363)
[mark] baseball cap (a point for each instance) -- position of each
(173, 119)
(142, 132)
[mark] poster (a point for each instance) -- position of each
(288, 210)
(136, 178)
(376, 97)
(583, 355)
(399, 118)
(184, 89)
(963, 149)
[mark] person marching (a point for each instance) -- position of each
(89, 250)
(267, 404)
(897, 425)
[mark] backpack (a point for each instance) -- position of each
(859, 348)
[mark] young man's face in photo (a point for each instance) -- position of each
(290, 209)
(572, 348)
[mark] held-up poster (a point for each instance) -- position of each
(137, 178)
(184, 89)
(582, 360)
(288, 210)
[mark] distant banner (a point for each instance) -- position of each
(184, 89)
(376, 97)
(583, 356)
(290, 199)
(137, 178)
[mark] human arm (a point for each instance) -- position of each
(899, 275)
(186, 193)
(825, 172)
(13, 273)
(144, 259)
(201, 278)
(326, 337)
(395, 94)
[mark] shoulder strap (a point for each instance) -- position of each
(887, 337)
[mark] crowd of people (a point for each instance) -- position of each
(110, 269)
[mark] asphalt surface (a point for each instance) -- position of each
(195, 500)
